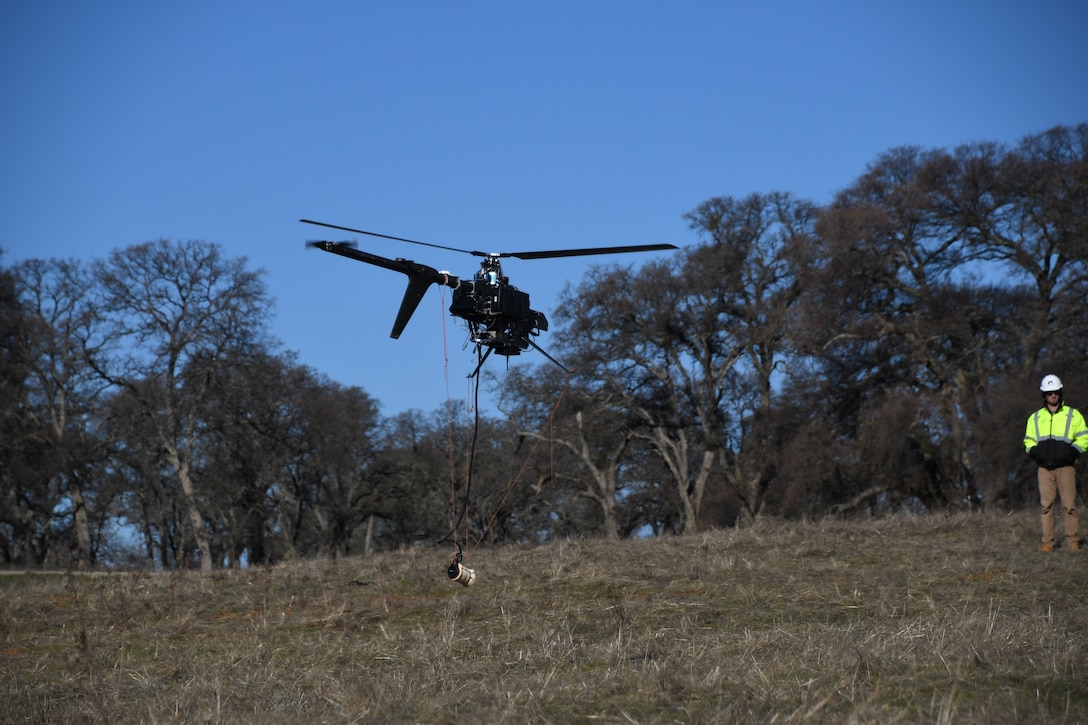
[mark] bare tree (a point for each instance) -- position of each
(254, 404)
(344, 490)
(687, 348)
(152, 501)
(749, 272)
(585, 427)
(1025, 210)
(648, 347)
(62, 399)
(20, 444)
(174, 313)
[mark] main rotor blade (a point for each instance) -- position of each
(395, 239)
(547, 254)
(591, 250)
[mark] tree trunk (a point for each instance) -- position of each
(81, 524)
(693, 495)
(196, 518)
(368, 542)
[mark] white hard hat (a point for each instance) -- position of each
(1051, 384)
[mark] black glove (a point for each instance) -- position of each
(1036, 455)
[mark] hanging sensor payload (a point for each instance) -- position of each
(459, 572)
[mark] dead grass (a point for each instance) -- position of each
(915, 619)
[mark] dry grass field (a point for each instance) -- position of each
(913, 619)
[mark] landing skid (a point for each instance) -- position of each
(536, 347)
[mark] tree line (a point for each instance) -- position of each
(875, 354)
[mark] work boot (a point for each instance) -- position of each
(1046, 548)
(1074, 545)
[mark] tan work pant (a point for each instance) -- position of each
(1052, 484)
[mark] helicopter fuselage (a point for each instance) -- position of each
(498, 314)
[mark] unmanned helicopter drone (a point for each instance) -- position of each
(498, 314)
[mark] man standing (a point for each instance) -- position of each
(1056, 436)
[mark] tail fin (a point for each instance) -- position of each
(417, 287)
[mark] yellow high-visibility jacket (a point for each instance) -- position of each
(1056, 439)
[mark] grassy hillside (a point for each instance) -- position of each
(914, 619)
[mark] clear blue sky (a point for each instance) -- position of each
(501, 126)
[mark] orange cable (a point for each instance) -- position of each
(449, 410)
